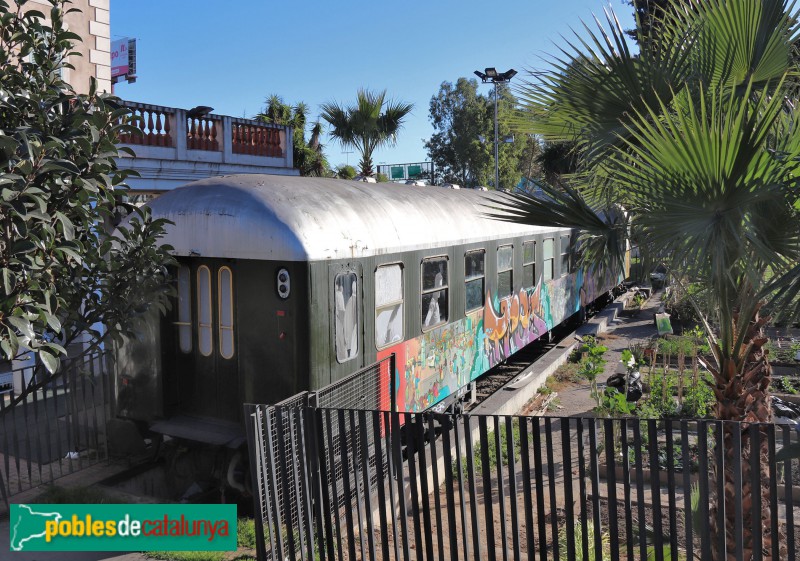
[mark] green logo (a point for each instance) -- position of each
(74, 527)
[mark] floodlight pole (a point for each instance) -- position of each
(496, 144)
(491, 75)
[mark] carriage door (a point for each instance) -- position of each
(347, 325)
(208, 367)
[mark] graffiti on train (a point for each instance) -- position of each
(436, 364)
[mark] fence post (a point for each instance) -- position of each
(249, 416)
(392, 383)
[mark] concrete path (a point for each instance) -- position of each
(623, 331)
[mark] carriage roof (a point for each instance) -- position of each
(289, 218)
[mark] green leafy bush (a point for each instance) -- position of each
(698, 401)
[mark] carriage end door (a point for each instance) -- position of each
(208, 381)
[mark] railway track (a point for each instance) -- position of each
(502, 374)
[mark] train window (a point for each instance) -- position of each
(346, 316)
(204, 337)
(564, 255)
(388, 305)
(184, 322)
(548, 251)
(435, 285)
(505, 270)
(474, 277)
(528, 264)
(225, 285)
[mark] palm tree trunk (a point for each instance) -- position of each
(742, 389)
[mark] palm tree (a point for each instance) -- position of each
(308, 158)
(372, 122)
(696, 137)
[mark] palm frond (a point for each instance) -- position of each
(603, 231)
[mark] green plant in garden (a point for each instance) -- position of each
(605, 542)
(660, 402)
(785, 385)
(698, 399)
(592, 366)
(491, 445)
(62, 270)
(783, 354)
(246, 533)
(614, 403)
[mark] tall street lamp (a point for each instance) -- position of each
(495, 77)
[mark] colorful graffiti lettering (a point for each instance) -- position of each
(439, 362)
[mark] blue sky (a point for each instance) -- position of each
(232, 54)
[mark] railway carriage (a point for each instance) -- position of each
(288, 283)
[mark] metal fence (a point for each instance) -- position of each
(56, 429)
(279, 437)
(487, 487)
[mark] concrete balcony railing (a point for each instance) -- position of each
(172, 148)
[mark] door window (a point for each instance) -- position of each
(205, 341)
(346, 315)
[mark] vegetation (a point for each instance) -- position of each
(346, 172)
(605, 542)
(245, 539)
(63, 271)
(593, 364)
(308, 157)
(782, 352)
(701, 147)
(491, 446)
(370, 123)
(462, 146)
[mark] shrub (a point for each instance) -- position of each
(345, 172)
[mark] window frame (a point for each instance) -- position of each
(566, 254)
(346, 273)
(532, 263)
(210, 306)
(393, 303)
(508, 270)
(552, 260)
(184, 309)
(220, 326)
(444, 288)
(475, 278)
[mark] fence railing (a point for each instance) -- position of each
(177, 129)
(435, 486)
(54, 430)
(371, 387)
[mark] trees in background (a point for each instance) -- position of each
(62, 270)
(346, 172)
(371, 122)
(308, 157)
(697, 137)
(462, 146)
(460, 117)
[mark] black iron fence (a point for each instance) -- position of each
(283, 439)
(447, 487)
(51, 429)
